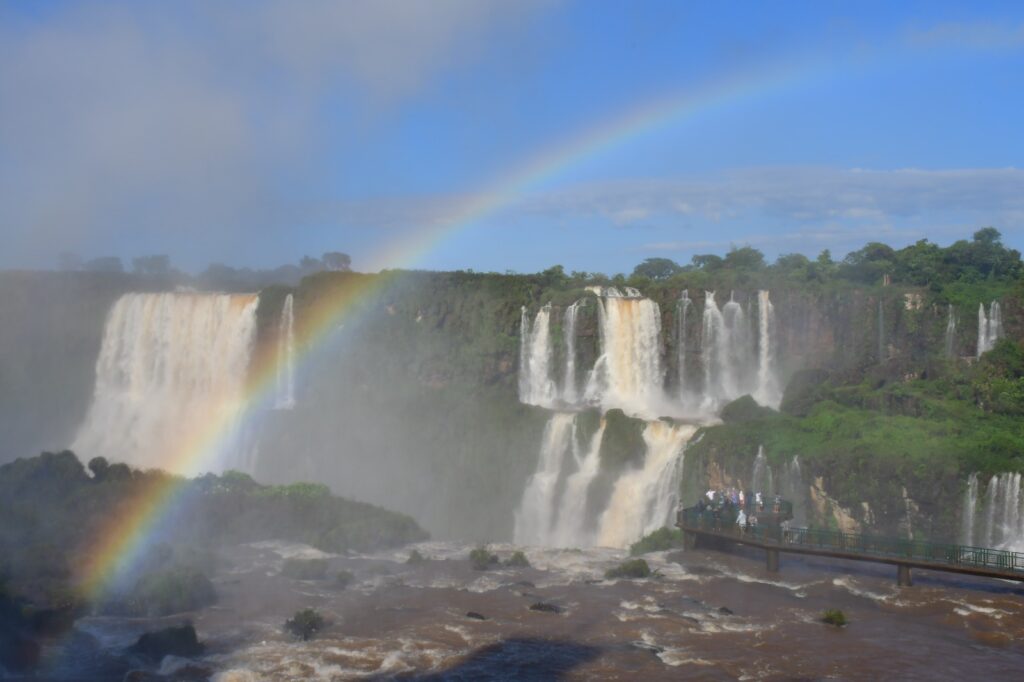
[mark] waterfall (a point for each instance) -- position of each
(793, 489)
(572, 523)
(968, 511)
(535, 384)
(761, 477)
(534, 520)
(767, 392)
(1000, 523)
(714, 344)
(286, 356)
(644, 498)
(682, 308)
(950, 333)
(569, 389)
(628, 372)
(990, 327)
(171, 366)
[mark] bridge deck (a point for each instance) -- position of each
(978, 561)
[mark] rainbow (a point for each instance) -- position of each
(120, 543)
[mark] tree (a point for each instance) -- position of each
(69, 262)
(744, 258)
(657, 268)
(336, 260)
(155, 266)
(104, 264)
(707, 261)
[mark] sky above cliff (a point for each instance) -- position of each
(457, 134)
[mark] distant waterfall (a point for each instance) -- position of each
(569, 389)
(571, 529)
(286, 356)
(968, 512)
(793, 489)
(534, 520)
(761, 478)
(628, 373)
(950, 333)
(170, 368)
(682, 309)
(990, 327)
(767, 391)
(1001, 521)
(644, 499)
(535, 384)
(727, 349)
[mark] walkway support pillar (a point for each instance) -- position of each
(772, 557)
(689, 540)
(903, 576)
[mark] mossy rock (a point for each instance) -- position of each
(623, 441)
(172, 641)
(744, 409)
(304, 569)
(633, 568)
(803, 391)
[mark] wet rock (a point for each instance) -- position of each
(475, 616)
(524, 583)
(18, 653)
(725, 611)
(644, 646)
(142, 676)
(172, 641)
(546, 607)
(691, 620)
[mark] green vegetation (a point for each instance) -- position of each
(517, 560)
(161, 592)
(482, 559)
(834, 617)
(304, 569)
(659, 541)
(631, 568)
(305, 624)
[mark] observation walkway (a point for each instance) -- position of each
(904, 554)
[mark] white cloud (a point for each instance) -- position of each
(128, 122)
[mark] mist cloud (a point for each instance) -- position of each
(130, 122)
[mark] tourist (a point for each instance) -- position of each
(741, 520)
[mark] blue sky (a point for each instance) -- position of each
(253, 133)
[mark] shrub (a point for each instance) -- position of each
(162, 593)
(658, 541)
(304, 569)
(633, 568)
(835, 617)
(305, 623)
(482, 559)
(518, 560)
(343, 579)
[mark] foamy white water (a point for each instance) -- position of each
(286, 356)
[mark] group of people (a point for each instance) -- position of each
(732, 503)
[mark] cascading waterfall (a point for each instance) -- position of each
(535, 518)
(950, 333)
(170, 365)
(535, 384)
(572, 523)
(739, 356)
(990, 327)
(569, 389)
(767, 392)
(682, 309)
(761, 477)
(628, 373)
(1000, 523)
(286, 356)
(644, 499)
(792, 488)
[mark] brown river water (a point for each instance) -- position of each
(708, 615)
